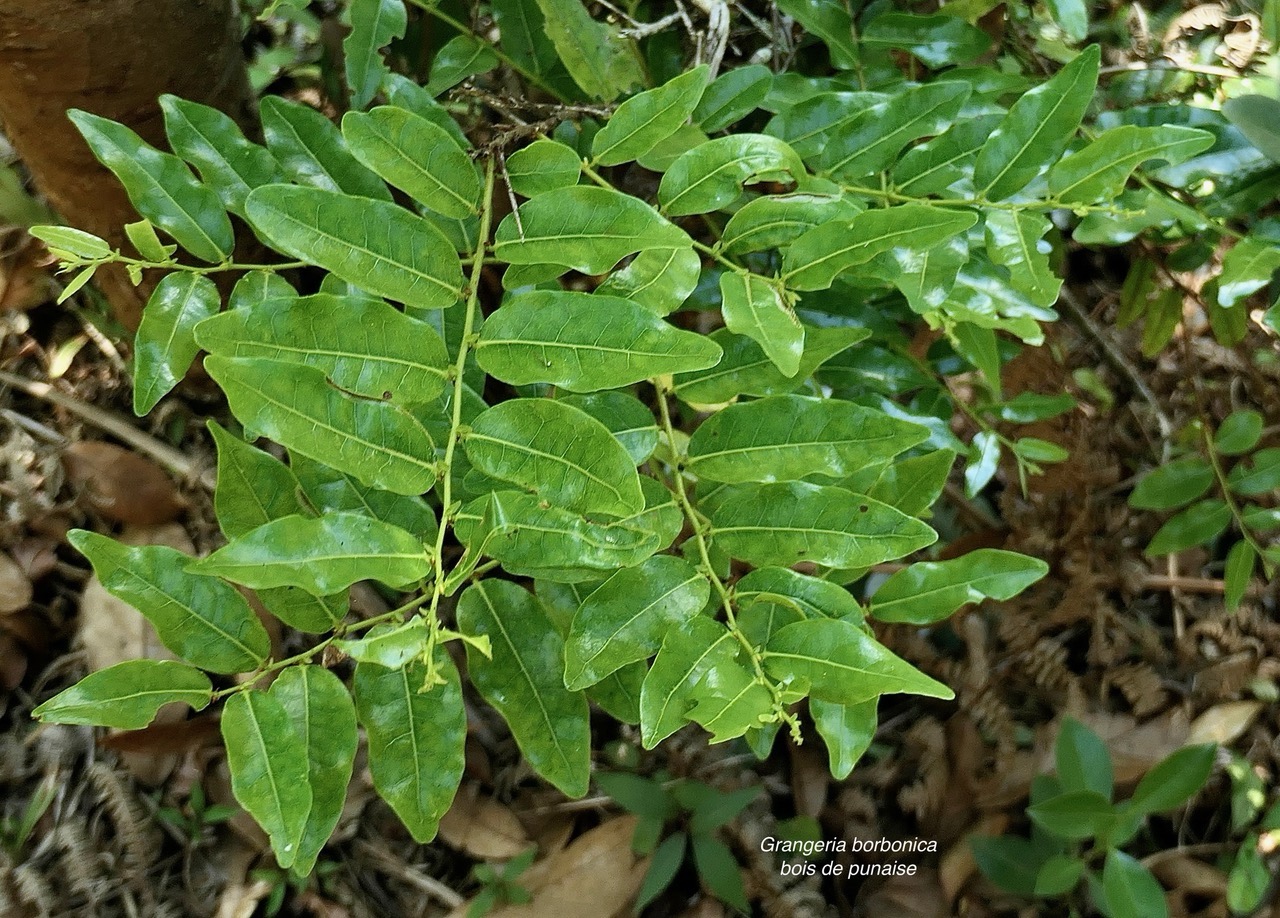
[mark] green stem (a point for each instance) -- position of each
(1230, 500)
(1045, 205)
(118, 258)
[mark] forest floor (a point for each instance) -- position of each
(1142, 651)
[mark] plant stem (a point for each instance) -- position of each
(1230, 500)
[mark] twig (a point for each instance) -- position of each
(390, 865)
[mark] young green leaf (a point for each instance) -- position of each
(416, 738)
(1074, 815)
(74, 242)
(1238, 433)
(929, 591)
(1082, 759)
(268, 765)
(319, 707)
(375, 245)
(201, 619)
(392, 646)
(322, 556)
(128, 695)
(642, 121)
(208, 139)
(1174, 781)
(161, 187)
(1258, 475)
(847, 730)
(585, 342)
(1008, 861)
(544, 165)
(374, 23)
(713, 174)
(664, 865)
(755, 307)
(310, 149)
(1130, 889)
(165, 344)
(524, 681)
(1059, 875)
(720, 872)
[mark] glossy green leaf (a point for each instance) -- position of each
(1247, 268)
(391, 357)
(201, 619)
(1173, 484)
(560, 453)
(713, 174)
(785, 523)
(843, 664)
(1015, 240)
(774, 220)
(310, 149)
(937, 40)
(293, 404)
(253, 487)
(1098, 171)
(392, 646)
(688, 653)
(322, 556)
(374, 23)
(730, 700)
(72, 241)
(601, 61)
(1130, 889)
(377, 246)
(585, 342)
(407, 94)
(1082, 760)
(829, 20)
(1174, 781)
(258, 286)
(525, 681)
(1200, 523)
(461, 58)
(329, 490)
(789, 437)
(523, 34)
(936, 164)
(416, 738)
(165, 344)
(415, 156)
(1256, 117)
(161, 187)
(756, 308)
(639, 123)
(660, 280)
(324, 718)
(810, 122)
(814, 260)
(913, 484)
(626, 618)
(1238, 433)
(268, 765)
(587, 228)
(544, 165)
(299, 609)
(128, 695)
(929, 591)
(984, 460)
(872, 141)
(1037, 129)
(143, 236)
(630, 422)
(1241, 561)
(732, 96)
(1257, 475)
(808, 596)
(208, 139)
(846, 729)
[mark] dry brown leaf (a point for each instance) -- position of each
(1223, 723)
(122, 485)
(919, 896)
(482, 827)
(15, 587)
(957, 864)
(810, 778)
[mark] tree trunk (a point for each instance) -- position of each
(113, 58)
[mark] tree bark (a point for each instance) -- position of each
(113, 58)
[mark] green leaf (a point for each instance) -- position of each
(393, 356)
(808, 596)
(664, 865)
(929, 591)
(1239, 569)
(1238, 433)
(417, 157)
(618, 694)
(847, 729)
(626, 618)
(461, 58)
(374, 23)
(1174, 781)
(660, 280)
(1173, 484)
(843, 664)
(258, 286)
(405, 93)
(1247, 268)
(937, 40)
(829, 20)
(377, 246)
(143, 236)
(310, 149)
(585, 342)
(1060, 873)
(72, 241)
(268, 765)
(1082, 760)
(626, 417)
(601, 61)
(1015, 240)
(774, 220)
(329, 490)
(544, 165)
(913, 485)
(732, 96)
(1200, 523)
(416, 738)
(253, 487)
(639, 123)
(1250, 878)
(814, 260)
(755, 307)
(391, 646)
(872, 141)
(320, 710)
(379, 443)
(1074, 815)
(1258, 475)
(935, 165)
(728, 701)
(789, 437)
(1130, 889)
(689, 651)
(322, 556)
(208, 139)
(199, 618)
(128, 695)
(1099, 171)
(523, 33)
(1037, 129)
(1256, 117)
(785, 523)
(525, 681)
(165, 344)
(161, 187)
(560, 453)
(984, 459)
(299, 609)
(1008, 861)
(713, 174)
(586, 228)
(719, 871)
